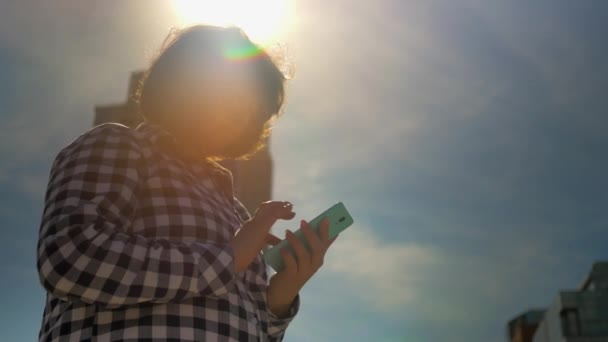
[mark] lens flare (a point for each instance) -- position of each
(265, 21)
(242, 52)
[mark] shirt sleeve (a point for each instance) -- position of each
(278, 325)
(85, 252)
(241, 210)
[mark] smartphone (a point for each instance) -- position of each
(339, 220)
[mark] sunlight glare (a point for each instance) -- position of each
(263, 20)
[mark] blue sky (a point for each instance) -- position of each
(467, 138)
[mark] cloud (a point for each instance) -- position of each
(404, 275)
(435, 290)
(387, 275)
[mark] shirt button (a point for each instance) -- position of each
(253, 320)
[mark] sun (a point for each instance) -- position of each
(265, 21)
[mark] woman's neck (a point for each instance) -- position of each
(183, 144)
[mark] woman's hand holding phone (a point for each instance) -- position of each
(285, 285)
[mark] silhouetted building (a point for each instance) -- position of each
(522, 327)
(575, 316)
(252, 178)
(581, 315)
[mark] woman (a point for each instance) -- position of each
(141, 236)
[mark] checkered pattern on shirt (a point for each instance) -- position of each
(133, 246)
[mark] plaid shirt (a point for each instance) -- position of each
(134, 246)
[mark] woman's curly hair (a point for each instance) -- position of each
(209, 47)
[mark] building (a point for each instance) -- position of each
(522, 327)
(252, 178)
(575, 316)
(580, 315)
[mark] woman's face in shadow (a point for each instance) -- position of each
(220, 115)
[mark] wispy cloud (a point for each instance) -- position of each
(437, 125)
(388, 276)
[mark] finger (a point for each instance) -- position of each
(291, 266)
(311, 236)
(317, 248)
(276, 203)
(332, 240)
(288, 215)
(324, 230)
(302, 254)
(274, 210)
(272, 239)
(284, 210)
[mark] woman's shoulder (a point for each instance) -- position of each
(105, 140)
(109, 132)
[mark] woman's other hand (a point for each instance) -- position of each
(285, 285)
(254, 234)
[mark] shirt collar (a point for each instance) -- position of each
(162, 138)
(155, 133)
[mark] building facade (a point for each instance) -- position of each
(580, 315)
(522, 327)
(252, 178)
